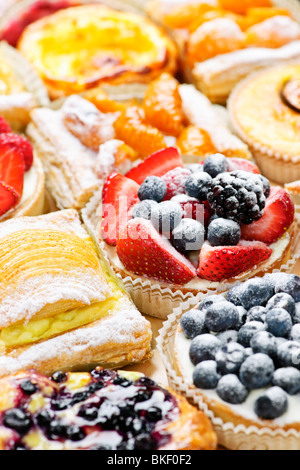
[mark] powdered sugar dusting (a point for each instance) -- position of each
(105, 163)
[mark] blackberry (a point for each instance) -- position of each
(238, 196)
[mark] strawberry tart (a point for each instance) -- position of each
(172, 231)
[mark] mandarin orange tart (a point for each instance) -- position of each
(78, 48)
(264, 110)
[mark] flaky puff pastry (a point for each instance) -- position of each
(79, 48)
(60, 306)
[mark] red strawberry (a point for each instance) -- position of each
(4, 126)
(175, 181)
(145, 252)
(119, 194)
(9, 198)
(157, 164)
(21, 144)
(224, 262)
(12, 167)
(278, 217)
(241, 164)
(194, 209)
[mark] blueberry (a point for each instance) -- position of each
(248, 352)
(188, 235)
(44, 417)
(122, 382)
(154, 414)
(290, 285)
(215, 164)
(144, 209)
(279, 322)
(75, 433)
(276, 279)
(264, 342)
(166, 216)
(56, 429)
(153, 188)
(257, 371)
(223, 232)
(230, 358)
(59, 377)
(193, 323)
(247, 332)
(266, 185)
(288, 378)
(282, 300)
(231, 390)
(255, 292)
(288, 354)
(197, 185)
(89, 413)
(205, 375)
(296, 317)
(196, 168)
(28, 387)
(233, 295)
(18, 420)
(228, 336)
(204, 348)
(257, 313)
(221, 316)
(272, 404)
(243, 316)
(295, 333)
(210, 300)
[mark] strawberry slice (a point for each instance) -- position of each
(194, 209)
(118, 196)
(157, 164)
(175, 180)
(9, 198)
(4, 126)
(277, 218)
(12, 167)
(145, 252)
(224, 262)
(241, 164)
(20, 143)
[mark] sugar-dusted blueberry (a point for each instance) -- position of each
(28, 387)
(231, 390)
(228, 336)
(18, 420)
(206, 376)
(248, 352)
(144, 209)
(223, 232)
(166, 216)
(197, 185)
(230, 358)
(257, 371)
(296, 317)
(209, 300)
(154, 414)
(153, 188)
(279, 322)
(288, 378)
(282, 300)
(257, 313)
(59, 377)
(266, 185)
(193, 323)
(271, 404)
(189, 235)
(247, 332)
(288, 354)
(75, 433)
(264, 342)
(196, 168)
(255, 292)
(222, 316)
(289, 285)
(56, 429)
(204, 348)
(89, 413)
(44, 417)
(295, 333)
(215, 164)
(243, 316)
(233, 295)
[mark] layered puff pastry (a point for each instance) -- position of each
(61, 306)
(71, 52)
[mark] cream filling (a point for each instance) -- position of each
(30, 183)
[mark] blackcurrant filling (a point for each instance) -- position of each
(134, 412)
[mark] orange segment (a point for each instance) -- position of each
(215, 37)
(195, 141)
(163, 105)
(241, 6)
(103, 102)
(273, 32)
(257, 15)
(212, 15)
(123, 153)
(133, 130)
(183, 15)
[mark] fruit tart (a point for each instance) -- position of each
(237, 356)
(100, 410)
(137, 50)
(222, 42)
(172, 232)
(61, 306)
(108, 135)
(270, 97)
(22, 180)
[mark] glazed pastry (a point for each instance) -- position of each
(95, 61)
(61, 306)
(294, 189)
(240, 355)
(274, 142)
(162, 246)
(101, 410)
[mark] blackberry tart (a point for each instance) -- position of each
(101, 410)
(239, 355)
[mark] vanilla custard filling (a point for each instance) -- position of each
(30, 184)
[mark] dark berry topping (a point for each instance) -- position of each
(266, 185)
(59, 377)
(257, 313)
(153, 188)
(279, 322)
(221, 316)
(288, 379)
(204, 348)
(272, 404)
(264, 342)
(89, 413)
(290, 284)
(144, 209)
(28, 387)
(188, 235)
(230, 358)
(206, 376)
(223, 232)
(209, 301)
(228, 336)
(257, 371)
(122, 381)
(288, 354)
(215, 164)
(44, 417)
(197, 185)
(75, 433)
(18, 420)
(193, 323)
(154, 414)
(56, 430)
(295, 333)
(282, 300)
(166, 216)
(255, 292)
(231, 390)
(247, 332)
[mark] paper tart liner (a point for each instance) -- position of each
(231, 436)
(158, 300)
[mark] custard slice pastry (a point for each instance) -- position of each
(60, 306)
